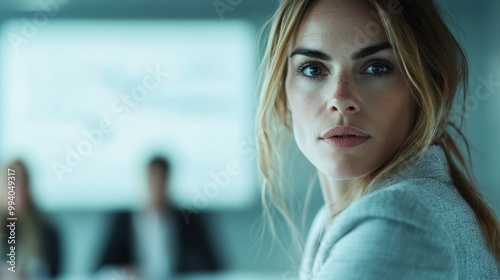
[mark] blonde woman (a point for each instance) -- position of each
(35, 242)
(366, 87)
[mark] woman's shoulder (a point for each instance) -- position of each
(414, 203)
(422, 226)
(387, 233)
(427, 204)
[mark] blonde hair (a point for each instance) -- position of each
(28, 228)
(435, 67)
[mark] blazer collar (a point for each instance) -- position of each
(432, 165)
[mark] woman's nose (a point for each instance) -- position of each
(342, 98)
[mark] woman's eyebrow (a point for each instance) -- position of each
(311, 53)
(373, 49)
(364, 52)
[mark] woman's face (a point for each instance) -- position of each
(350, 104)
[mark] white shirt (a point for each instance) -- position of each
(155, 245)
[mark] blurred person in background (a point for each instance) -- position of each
(160, 241)
(37, 243)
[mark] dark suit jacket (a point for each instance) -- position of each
(195, 250)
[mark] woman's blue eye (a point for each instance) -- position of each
(311, 71)
(378, 69)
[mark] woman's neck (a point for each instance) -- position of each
(337, 193)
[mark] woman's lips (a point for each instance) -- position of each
(345, 142)
(345, 137)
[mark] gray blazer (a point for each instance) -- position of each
(415, 225)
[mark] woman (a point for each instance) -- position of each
(37, 245)
(367, 87)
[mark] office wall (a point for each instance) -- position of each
(477, 24)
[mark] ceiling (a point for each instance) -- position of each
(216, 9)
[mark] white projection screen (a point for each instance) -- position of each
(88, 102)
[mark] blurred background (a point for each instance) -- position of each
(91, 90)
